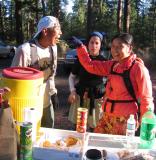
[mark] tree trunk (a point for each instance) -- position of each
(89, 16)
(137, 9)
(119, 16)
(153, 13)
(50, 6)
(43, 8)
(127, 10)
(57, 8)
(11, 20)
(1, 23)
(36, 3)
(18, 17)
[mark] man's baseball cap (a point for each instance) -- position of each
(45, 22)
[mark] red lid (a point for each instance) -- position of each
(22, 73)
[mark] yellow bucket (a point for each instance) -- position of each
(26, 86)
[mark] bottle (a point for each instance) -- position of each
(130, 131)
(147, 133)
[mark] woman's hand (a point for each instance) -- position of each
(72, 97)
(76, 41)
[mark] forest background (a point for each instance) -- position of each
(18, 21)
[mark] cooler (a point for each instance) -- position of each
(27, 90)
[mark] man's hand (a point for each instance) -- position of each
(55, 101)
(76, 41)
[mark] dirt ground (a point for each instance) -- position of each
(61, 114)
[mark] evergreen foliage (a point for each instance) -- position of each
(18, 18)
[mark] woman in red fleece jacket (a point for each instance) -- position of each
(118, 103)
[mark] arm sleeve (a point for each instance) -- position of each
(51, 82)
(22, 57)
(55, 58)
(101, 68)
(51, 79)
(72, 80)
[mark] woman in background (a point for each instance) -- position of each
(87, 89)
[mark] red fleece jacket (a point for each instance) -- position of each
(115, 88)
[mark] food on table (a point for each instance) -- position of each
(123, 153)
(63, 142)
(46, 143)
(71, 141)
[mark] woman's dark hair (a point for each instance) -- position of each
(125, 37)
